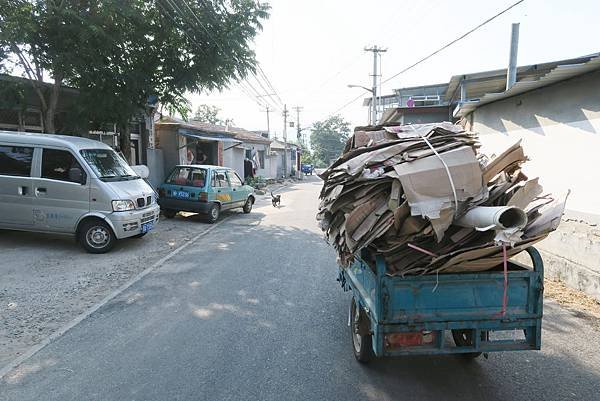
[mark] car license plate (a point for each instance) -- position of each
(147, 227)
(181, 194)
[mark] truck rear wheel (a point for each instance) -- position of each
(464, 338)
(362, 340)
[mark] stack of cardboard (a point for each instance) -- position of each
(403, 191)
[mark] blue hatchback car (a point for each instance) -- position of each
(204, 189)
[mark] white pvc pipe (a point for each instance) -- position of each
(484, 218)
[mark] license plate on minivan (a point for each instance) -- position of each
(181, 194)
(147, 227)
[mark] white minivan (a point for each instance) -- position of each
(72, 185)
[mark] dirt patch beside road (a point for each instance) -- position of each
(48, 280)
(576, 301)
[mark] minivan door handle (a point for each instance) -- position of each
(39, 191)
(23, 190)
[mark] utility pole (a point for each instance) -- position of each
(300, 142)
(298, 129)
(267, 110)
(375, 50)
(285, 147)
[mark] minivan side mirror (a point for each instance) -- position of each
(76, 175)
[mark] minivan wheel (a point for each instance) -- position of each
(213, 213)
(96, 236)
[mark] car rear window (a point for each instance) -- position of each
(188, 176)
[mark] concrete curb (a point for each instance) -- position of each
(62, 330)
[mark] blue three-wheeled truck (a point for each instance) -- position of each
(466, 313)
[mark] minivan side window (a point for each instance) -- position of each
(15, 160)
(57, 163)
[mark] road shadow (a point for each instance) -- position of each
(254, 312)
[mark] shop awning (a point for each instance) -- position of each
(216, 137)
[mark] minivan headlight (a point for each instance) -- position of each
(122, 205)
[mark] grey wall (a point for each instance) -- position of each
(559, 127)
(425, 118)
(167, 141)
(156, 167)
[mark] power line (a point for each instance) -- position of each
(261, 71)
(253, 93)
(224, 53)
(454, 41)
(431, 55)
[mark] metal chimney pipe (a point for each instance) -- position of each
(511, 75)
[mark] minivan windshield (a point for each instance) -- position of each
(108, 165)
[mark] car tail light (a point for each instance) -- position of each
(203, 196)
(410, 339)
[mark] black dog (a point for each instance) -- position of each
(275, 200)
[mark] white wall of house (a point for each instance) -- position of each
(560, 129)
(234, 158)
(559, 126)
(263, 150)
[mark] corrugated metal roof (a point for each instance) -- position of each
(559, 73)
(480, 83)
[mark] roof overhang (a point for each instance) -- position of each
(557, 74)
(215, 138)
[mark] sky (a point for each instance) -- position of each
(311, 50)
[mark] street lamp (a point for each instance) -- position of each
(360, 86)
(373, 113)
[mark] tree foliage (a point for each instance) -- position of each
(210, 114)
(327, 139)
(119, 53)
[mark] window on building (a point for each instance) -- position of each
(32, 119)
(57, 163)
(9, 119)
(15, 160)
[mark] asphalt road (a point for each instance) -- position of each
(253, 312)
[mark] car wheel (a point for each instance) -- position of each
(169, 214)
(248, 206)
(213, 213)
(96, 236)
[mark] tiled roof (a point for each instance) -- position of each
(238, 133)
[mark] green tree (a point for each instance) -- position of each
(121, 53)
(210, 114)
(327, 139)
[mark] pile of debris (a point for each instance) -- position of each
(428, 201)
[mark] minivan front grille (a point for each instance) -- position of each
(149, 200)
(141, 202)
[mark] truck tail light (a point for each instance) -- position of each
(410, 339)
(202, 196)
